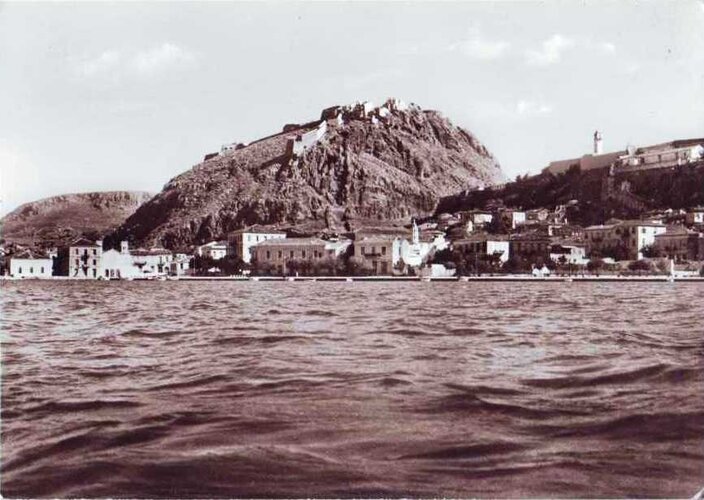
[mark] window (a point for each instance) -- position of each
(95, 263)
(383, 250)
(94, 273)
(76, 251)
(19, 270)
(95, 252)
(268, 255)
(31, 270)
(281, 254)
(303, 254)
(292, 254)
(85, 251)
(373, 250)
(76, 262)
(42, 269)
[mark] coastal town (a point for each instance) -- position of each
(492, 240)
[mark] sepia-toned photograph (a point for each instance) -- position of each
(352, 249)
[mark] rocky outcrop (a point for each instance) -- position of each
(59, 219)
(368, 166)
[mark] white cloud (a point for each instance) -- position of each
(532, 108)
(550, 51)
(161, 58)
(104, 63)
(607, 47)
(480, 48)
(116, 64)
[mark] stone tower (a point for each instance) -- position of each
(598, 146)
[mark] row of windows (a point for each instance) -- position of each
(85, 251)
(31, 270)
(292, 254)
(372, 250)
(95, 262)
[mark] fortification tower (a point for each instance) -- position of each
(598, 145)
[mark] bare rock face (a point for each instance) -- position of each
(59, 219)
(353, 167)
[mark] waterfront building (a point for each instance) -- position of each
(531, 245)
(483, 244)
(215, 250)
(85, 259)
(569, 252)
(380, 252)
(180, 265)
(242, 240)
(152, 262)
(28, 264)
(623, 237)
(679, 243)
(279, 252)
(415, 252)
(119, 264)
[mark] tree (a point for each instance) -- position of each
(640, 265)
(595, 265)
(652, 251)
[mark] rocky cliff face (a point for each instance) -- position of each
(59, 219)
(375, 164)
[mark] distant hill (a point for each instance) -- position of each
(360, 164)
(596, 195)
(58, 219)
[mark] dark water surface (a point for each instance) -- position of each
(352, 389)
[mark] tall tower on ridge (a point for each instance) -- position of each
(598, 146)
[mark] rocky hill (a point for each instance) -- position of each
(355, 165)
(593, 196)
(58, 219)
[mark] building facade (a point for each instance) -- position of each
(485, 245)
(241, 241)
(279, 252)
(628, 238)
(680, 244)
(215, 250)
(28, 264)
(380, 252)
(85, 259)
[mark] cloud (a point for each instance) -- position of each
(102, 64)
(550, 51)
(480, 48)
(116, 64)
(163, 57)
(532, 108)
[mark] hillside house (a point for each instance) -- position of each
(215, 250)
(695, 216)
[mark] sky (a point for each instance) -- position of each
(113, 96)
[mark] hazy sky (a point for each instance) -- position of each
(100, 96)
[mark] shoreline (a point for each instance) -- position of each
(448, 279)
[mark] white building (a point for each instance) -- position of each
(152, 262)
(28, 264)
(120, 264)
(85, 259)
(180, 265)
(415, 252)
(216, 250)
(242, 240)
(695, 216)
(569, 253)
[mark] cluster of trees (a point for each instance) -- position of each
(227, 266)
